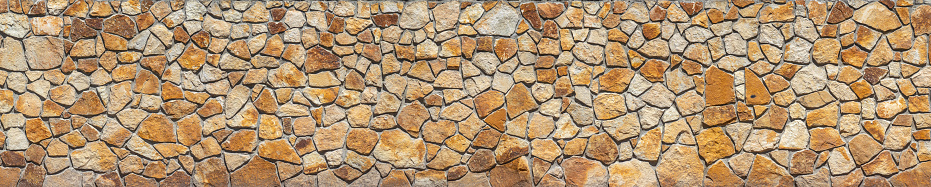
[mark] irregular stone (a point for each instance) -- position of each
(680, 166)
(713, 144)
(765, 172)
(398, 149)
(500, 21)
(583, 172)
(877, 16)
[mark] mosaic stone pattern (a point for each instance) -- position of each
(639, 93)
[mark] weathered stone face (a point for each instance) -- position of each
(455, 93)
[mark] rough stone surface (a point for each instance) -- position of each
(457, 93)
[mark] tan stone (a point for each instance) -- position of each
(720, 87)
(825, 138)
(602, 148)
(877, 16)
(412, 117)
(249, 174)
(889, 109)
(713, 144)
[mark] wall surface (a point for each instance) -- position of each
(254, 93)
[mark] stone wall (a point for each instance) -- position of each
(254, 93)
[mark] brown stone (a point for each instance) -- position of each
(602, 148)
(510, 148)
(251, 174)
(361, 140)
(241, 141)
(412, 117)
(839, 13)
(719, 86)
(883, 164)
(803, 162)
(211, 172)
(651, 30)
(921, 19)
(88, 104)
(487, 102)
(514, 173)
(519, 100)
(550, 10)
(482, 160)
(719, 115)
(657, 14)
(874, 74)
(777, 13)
(720, 175)
(584, 172)
(863, 148)
(505, 48)
(756, 92)
(920, 175)
(385, 20)
(825, 138)
(616, 80)
(823, 117)
(319, 59)
(157, 128)
(529, 12)
(765, 172)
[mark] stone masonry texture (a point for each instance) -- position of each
(450, 93)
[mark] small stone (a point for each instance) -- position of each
(16, 25)
(863, 148)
